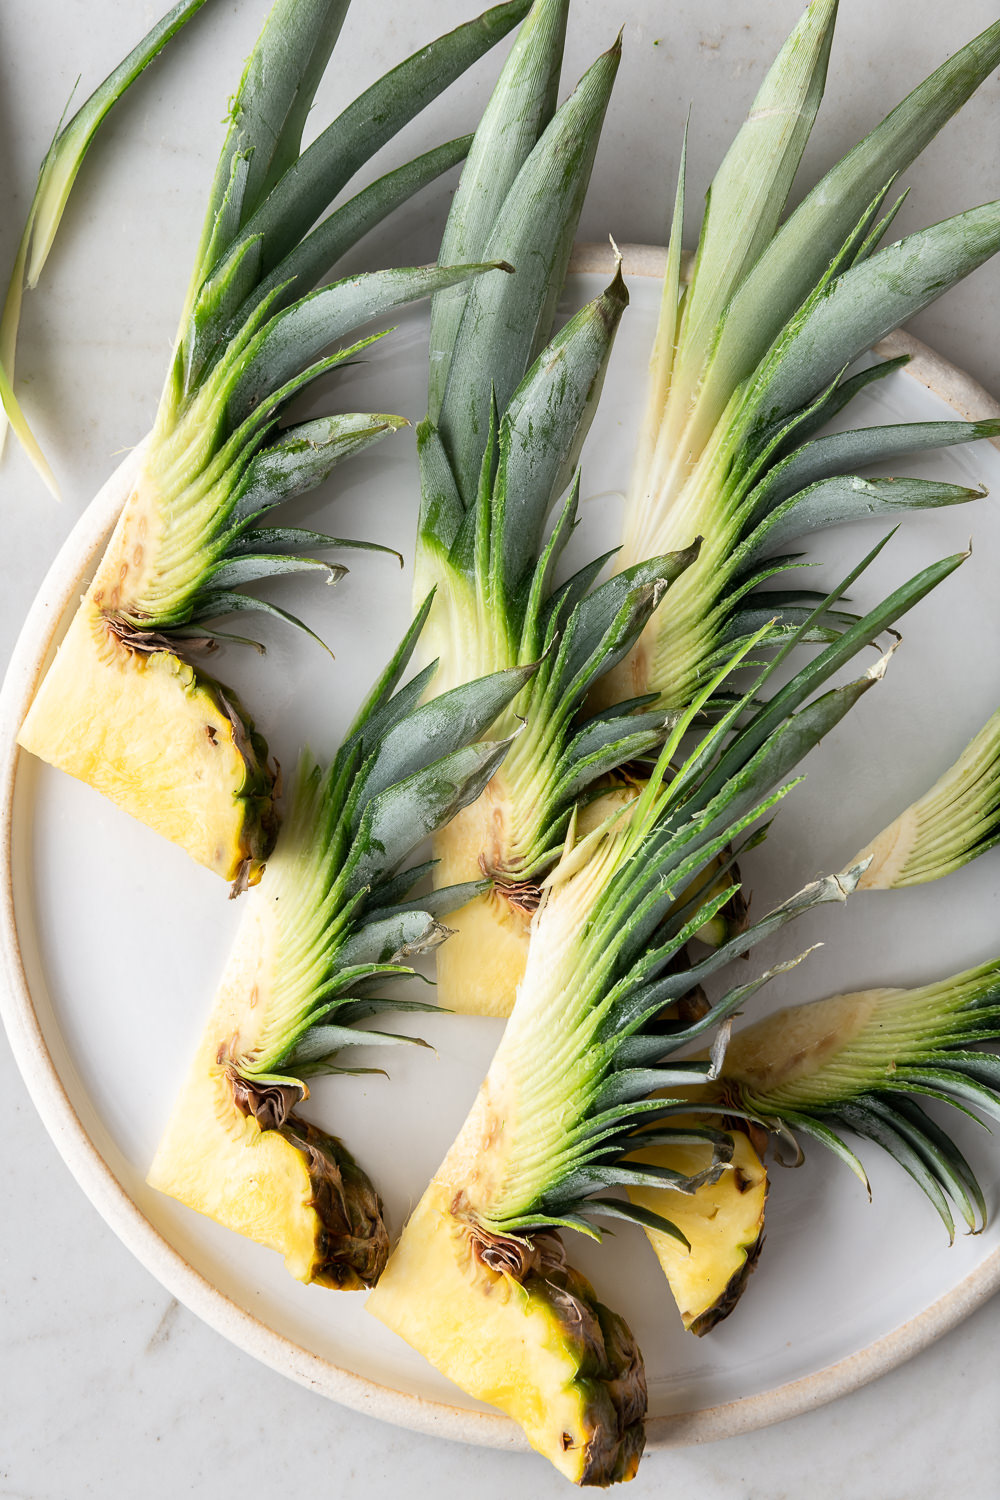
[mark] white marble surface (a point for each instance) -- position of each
(109, 1388)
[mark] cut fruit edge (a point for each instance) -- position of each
(102, 1172)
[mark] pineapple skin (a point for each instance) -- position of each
(291, 1188)
(152, 734)
(536, 1342)
(724, 1222)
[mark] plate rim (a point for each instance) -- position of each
(167, 1265)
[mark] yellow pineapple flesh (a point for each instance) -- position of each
(128, 716)
(510, 1323)
(288, 1186)
(481, 965)
(722, 1220)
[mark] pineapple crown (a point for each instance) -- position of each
(882, 1051)
(508, 413)
(253, 332)
(339, 871)
(752, 354)
(955, 821)
(608, 950)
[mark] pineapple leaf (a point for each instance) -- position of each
(270, 108)
(330, 241)
(749, 190)
(297, 197)
(880, 1129)
(508, 325)
(13, 414)
(839, 452)
(848, 497)
(520, 108)
(297, 335)
(634, 1213)
(868, 301)
(296, 536)
(395, 821)
(56, 177)
(442, 725)
(797, 256)
(544, 426)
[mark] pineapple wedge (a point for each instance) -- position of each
(249, 1163)
(507, 418)
(512, 1324)
(722, 1222)
(253, 334)
(327, 927)
(169, 745)
(586, 1074)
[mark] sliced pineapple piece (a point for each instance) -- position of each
(285, 1184)
(122, 709)
(162, 741)
(512, 1324)
(326, 930)
(723, 1222)
(863, 1061)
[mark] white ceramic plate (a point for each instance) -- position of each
(112, 941)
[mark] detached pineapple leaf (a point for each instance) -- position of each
(55, 180)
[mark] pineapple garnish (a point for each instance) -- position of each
(55, 181)
(123, 693)
(862, 1062)
(507, 417)
(326, 929)
(586, 1073)
(954, 822)
(752, 355)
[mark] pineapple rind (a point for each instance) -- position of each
(518, 1347)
